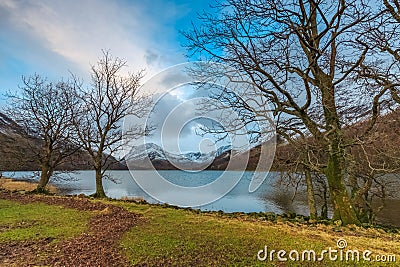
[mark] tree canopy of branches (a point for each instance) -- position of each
(383, 34)
(43, 111)
(304, 57)
(101, 109)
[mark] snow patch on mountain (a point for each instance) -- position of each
(155, 152)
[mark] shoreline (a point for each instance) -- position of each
(27, 186)
(128, 231)
(23, 185)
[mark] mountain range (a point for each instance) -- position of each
(16, 154)
(164, 160)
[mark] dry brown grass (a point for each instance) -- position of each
(133, 199)
(12, 185)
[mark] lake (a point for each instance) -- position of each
(270, 197)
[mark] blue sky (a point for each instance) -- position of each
(55, 37)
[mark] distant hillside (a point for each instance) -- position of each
(381, 146)
(19, 152)
(15, 149)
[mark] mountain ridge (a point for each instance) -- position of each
(17, 155)
(164, 160)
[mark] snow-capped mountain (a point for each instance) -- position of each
(155, 152)
(151, 150)
(162, 159)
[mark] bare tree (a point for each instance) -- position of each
(373, 164)
(383, 34)
(43, 111)
(294, 158)
(304, 58)
(376, 156)
(102, 107)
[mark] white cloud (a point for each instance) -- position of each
(77, 31)
(8, 4)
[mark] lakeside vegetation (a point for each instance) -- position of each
(170, 236)
(210, 239)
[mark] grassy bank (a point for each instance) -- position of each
(166, 236)
(185, 238)
(21, 222)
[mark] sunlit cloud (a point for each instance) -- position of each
(74, 32)
(55, 38)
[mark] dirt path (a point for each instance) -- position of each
(97, 246)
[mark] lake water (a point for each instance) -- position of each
(270, 197)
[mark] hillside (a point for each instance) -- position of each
(19, 151)
(15, 150)
(381, 149)
(164, 160)
(21, 154)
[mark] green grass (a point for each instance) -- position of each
(20, 222)
(184, 238)
(167, 236)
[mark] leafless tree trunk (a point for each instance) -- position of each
(102, 107)
(43, 111)
(310, 195)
